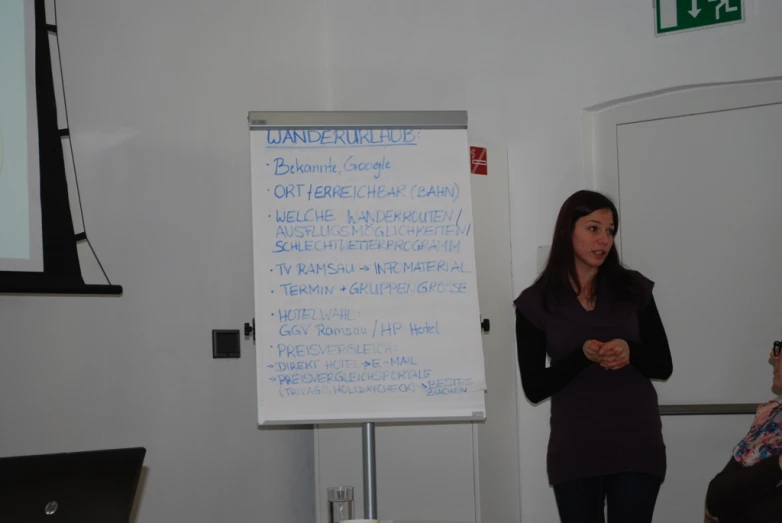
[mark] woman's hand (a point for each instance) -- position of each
(591, 347)
(614, 354)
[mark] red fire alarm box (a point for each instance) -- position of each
(478, 163)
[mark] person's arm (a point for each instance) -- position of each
(736, 489)
(538, 381)
(652, 357)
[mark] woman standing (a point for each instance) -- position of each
(599, 324)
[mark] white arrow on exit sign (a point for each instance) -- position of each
(694, 12)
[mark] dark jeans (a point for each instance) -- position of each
(630, 497)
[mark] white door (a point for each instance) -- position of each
(697, 177)
(431, 471)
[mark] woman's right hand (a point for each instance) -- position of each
(590, 348)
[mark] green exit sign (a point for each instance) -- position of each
(673, 16)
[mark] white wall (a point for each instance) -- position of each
(524, 70)
(158, 93)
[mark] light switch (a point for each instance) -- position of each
(225, 344)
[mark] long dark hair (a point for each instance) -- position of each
(560, 275)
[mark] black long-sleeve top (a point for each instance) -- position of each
(652, 357)
(752, 494)
(602, 421)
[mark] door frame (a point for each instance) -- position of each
(600, 123)
(600, 159)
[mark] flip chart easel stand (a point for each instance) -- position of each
(370, 470)
(287, 141)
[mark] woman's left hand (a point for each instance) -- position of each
(614, 354)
